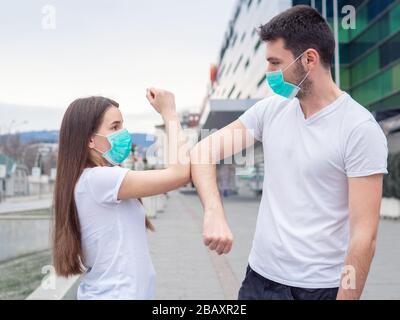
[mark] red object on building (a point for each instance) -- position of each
(213, 73)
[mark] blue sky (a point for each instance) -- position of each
(101, 47)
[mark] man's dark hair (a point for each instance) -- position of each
(301, 27)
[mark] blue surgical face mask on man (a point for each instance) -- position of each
(278, 85)
(121, 145)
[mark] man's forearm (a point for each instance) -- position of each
(203, 157)
(204, 177)
(216, 233)
(357, 265)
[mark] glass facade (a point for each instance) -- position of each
(370, 52)
(241, 60)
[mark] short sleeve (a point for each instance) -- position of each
(366, 150)
(253, 119)
(104, 183)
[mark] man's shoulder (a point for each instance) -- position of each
(355, 112)
(270, 105)
(356, 117)
(271, 100)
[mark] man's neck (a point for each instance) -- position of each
(322, 94)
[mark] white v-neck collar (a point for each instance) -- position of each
(323, 112)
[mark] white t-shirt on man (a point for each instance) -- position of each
(302, 231)
(113, 236)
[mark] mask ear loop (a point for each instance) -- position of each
(293, 61)
(99, 151)
(304, 79)
(100, 135)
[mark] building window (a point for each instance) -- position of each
(253, 32)
(383, 28)
(380, 86)
(376, 7)
(366, 67)
(261, 81)
(237, 64)
(390, 103)
(258, 44)
(243, 36)
(389, 51)
(237, 13)
(247, 63)
(221, 72)
(229, 68)
(234, 40)
(230, 92)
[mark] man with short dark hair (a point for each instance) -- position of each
(324, 156)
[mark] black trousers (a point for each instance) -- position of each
(256, 287)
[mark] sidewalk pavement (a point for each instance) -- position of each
(25, 204)
(186, 269)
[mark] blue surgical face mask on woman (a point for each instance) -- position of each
(277, 82)
(121, 145)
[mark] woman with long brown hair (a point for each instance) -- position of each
(100, 224)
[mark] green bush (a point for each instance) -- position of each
(391, 181)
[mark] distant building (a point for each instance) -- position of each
(13, 178)
(189, 120)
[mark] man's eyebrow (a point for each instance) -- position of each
(271, 59)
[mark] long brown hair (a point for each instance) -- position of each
(81, 120)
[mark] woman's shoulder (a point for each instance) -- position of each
(104, 174)
(102, 182)
(101, 175)
(104, 170)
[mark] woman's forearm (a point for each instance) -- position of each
(177, 149)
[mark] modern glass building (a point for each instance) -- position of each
(369, 50)
(241, 62)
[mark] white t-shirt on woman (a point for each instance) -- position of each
(113, 236)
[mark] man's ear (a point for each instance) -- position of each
(311, 58)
